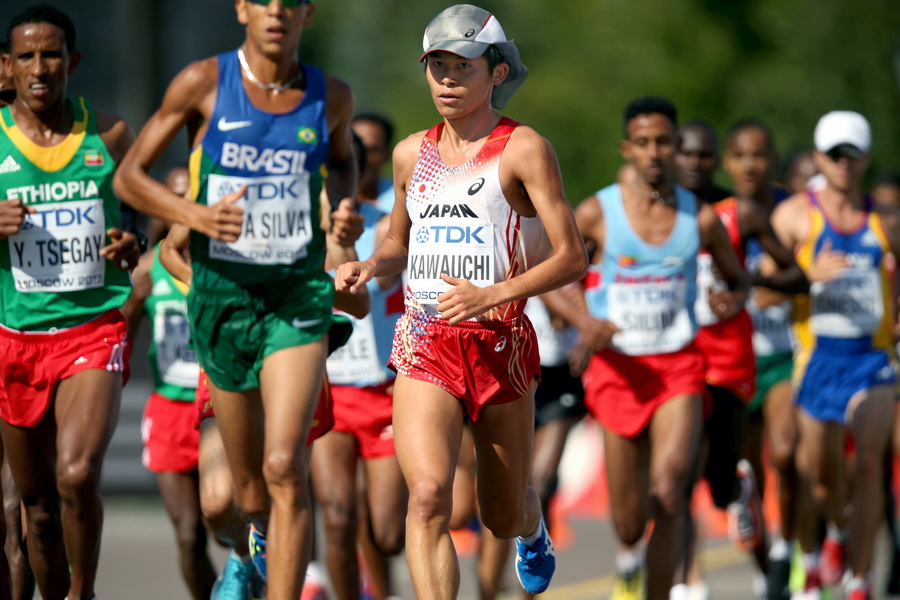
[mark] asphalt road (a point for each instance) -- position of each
(138, 561)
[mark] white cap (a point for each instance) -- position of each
(843, 127)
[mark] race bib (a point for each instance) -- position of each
(357, 360)
(175, 359)
(58, 248)
(653, 317)
(772, 333)
(462, 248)
(848, 307)
(277, 225)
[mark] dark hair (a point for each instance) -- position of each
(648, 105)
(382, 122)
(889, 178)
(44, 13)
(494, 57)
(752, 123)
(4, 47)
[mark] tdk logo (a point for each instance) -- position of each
(450, 234)
(262, 190)
(60, 217)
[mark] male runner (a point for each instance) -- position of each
(263, 129)
(377, 135)
(842, 374)
(63, 344)
(470, 226)
(645, 381)
(749, 159)
(170, 437)
(368, 506)
(697, 160)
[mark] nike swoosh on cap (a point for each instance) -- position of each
(224, 125)
(308, 323)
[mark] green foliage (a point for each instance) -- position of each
(786, 62)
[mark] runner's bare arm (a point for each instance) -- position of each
(359, 304)
(532, 168)
(342, 163)
(390, 255)
(141, 287)
(714, 239)
(789, 277)
(172, 252)
(188, 103)
(790, 220)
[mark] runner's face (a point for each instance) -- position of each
(275, 28)
(844, 174)
(460, 85)
(377, 151)
(7, 91)
(748, 160)
(40, 65)
(650, 147)
(696, 159)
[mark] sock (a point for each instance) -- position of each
(836, 534)
(628, 560)
(856, 583)
(679, 591)
(810, 561)
(532, 539)
(779, 549)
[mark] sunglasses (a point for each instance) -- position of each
(844, 151)
(283, 2)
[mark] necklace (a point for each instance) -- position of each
(654, 195)
(266, 86)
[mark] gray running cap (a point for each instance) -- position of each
(467, 31)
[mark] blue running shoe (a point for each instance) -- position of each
(258, 551)
(535, 565)
(232, 583)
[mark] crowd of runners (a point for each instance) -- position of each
(324, 337)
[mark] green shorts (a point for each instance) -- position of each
(233, 330)
(770, 371)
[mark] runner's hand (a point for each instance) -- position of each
(346, 223)
(596, 334)
(726, 304)
(353, 275)
(579, 357)
(124, 251)
(12, 215)
(828, 264)
(224, 221)
(463, 301)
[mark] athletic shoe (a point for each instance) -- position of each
(628, 586)
(232, 583)
(314, 587)
(812, 589)
(745, 518)
(778, 579)
(698, 590)
(832, 561)
(535, 565)
(258, 551)
(858, 594)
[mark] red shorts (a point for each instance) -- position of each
(32, 364)
(623, 391)
(322, 422)
(170, 439)
(367, 414)
(479, 362)
(730, 361)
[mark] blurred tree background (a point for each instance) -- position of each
(786, 62)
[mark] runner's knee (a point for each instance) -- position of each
(77, 477)
(284, 470)
(429, 501)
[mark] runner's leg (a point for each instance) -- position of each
(428, 427)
